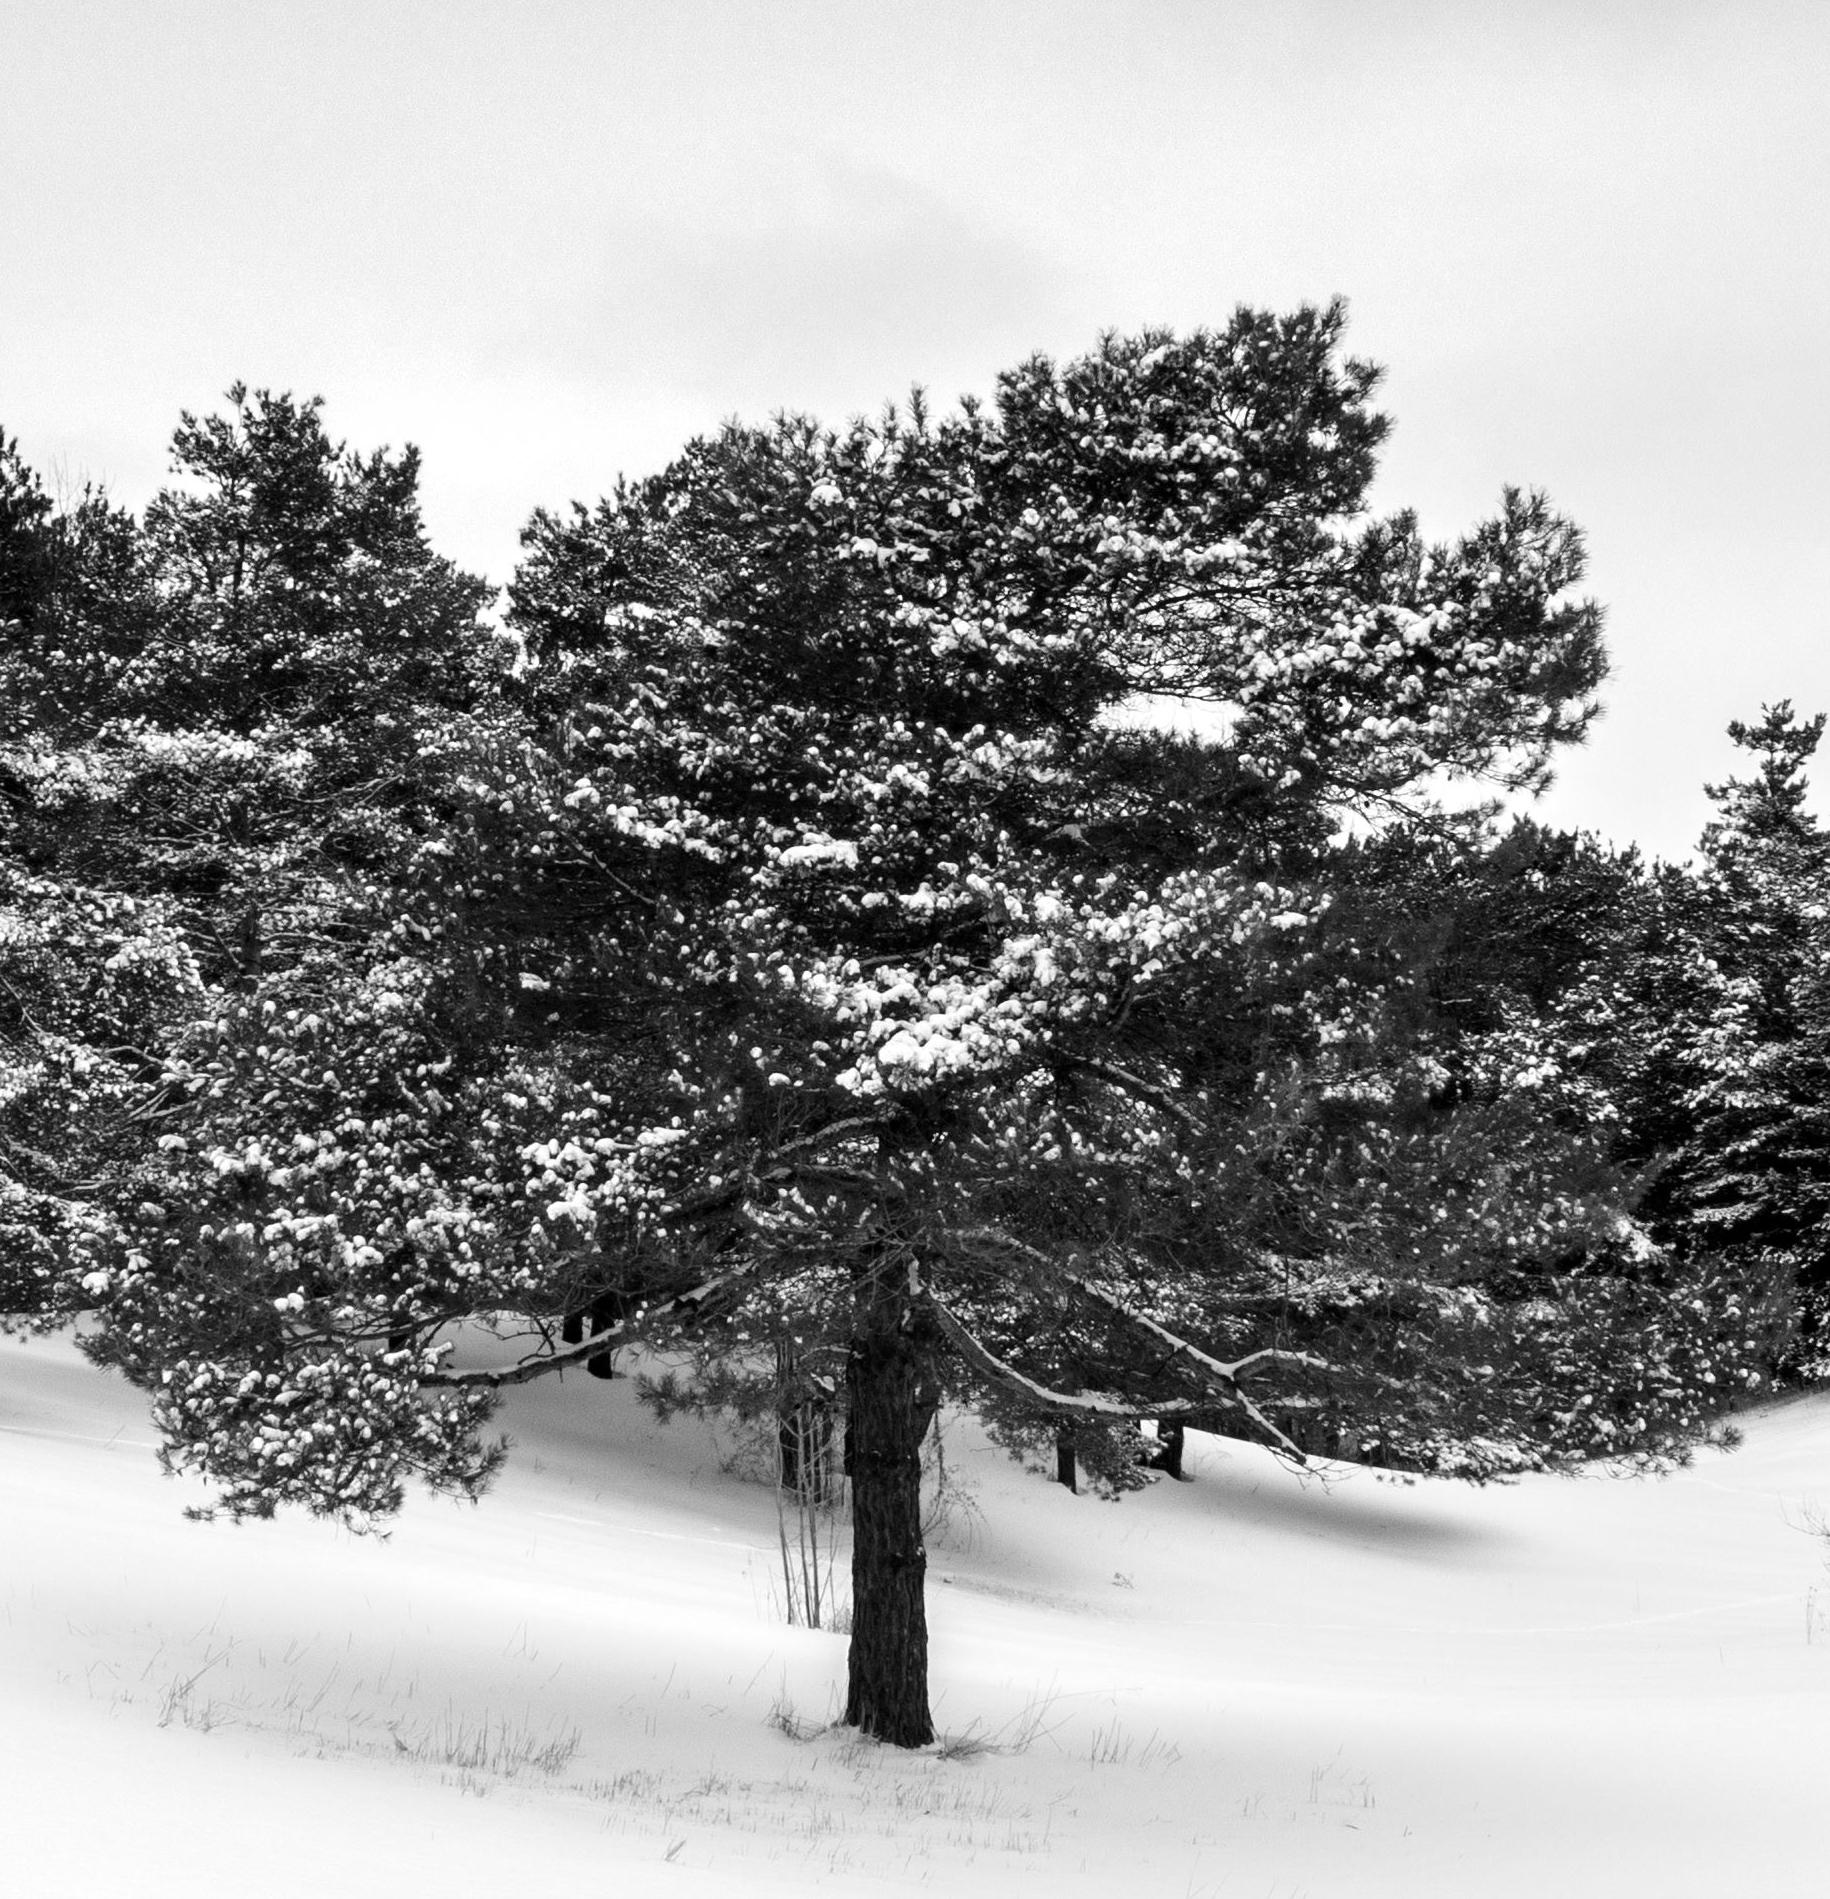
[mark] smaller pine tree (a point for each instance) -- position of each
(1750, 1181)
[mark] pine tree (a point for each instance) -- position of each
(91, 978)
(217, 752)
(820, 965)
(1750, 1182)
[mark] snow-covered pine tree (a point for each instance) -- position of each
(91, 977)
(1573, 970)
(229, 707)
(1749, 1180)
(833, 965)
(218, 738)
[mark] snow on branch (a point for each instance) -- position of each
(1212, 1368)
(818, 1137)
(730, 1193)
(682, 1308)
(1095, 1404)
(1192, 1354)
(995, 1239)
(1144, 1090)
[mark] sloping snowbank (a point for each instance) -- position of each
(1249, 1685)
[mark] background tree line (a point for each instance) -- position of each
(777, 938)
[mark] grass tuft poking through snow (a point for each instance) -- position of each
(490, 1748)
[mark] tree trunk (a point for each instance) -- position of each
(891, 1394)
(1171, 1445)
(603, 1314)
(1065, 1471)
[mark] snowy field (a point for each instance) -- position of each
(1248, 1685)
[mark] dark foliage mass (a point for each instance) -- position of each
(788, 937)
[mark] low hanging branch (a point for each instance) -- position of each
(1218, 1374)
(1192, 1355)
(1097, 1405)
(682, 1309)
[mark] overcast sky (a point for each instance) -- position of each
(548, 242)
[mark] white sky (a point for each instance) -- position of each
(549, 241)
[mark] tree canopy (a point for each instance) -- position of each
(807, 945)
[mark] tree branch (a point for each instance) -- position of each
(721, 1198)
(1137, 1085)
(683, 1307)
(994, 1237)
(1095, 1404)
(1192, 1354)
(1209, 1367)
(851, 1124)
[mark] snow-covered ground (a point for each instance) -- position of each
(1249, 1685)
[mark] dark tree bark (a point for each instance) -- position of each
(891, 1392)
(1066, 1472)
(603, 1317)
(603, 1314)
(1171, 1442)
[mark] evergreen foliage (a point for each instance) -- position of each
(802, 953)
(216, 764)
(1748, 1181)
